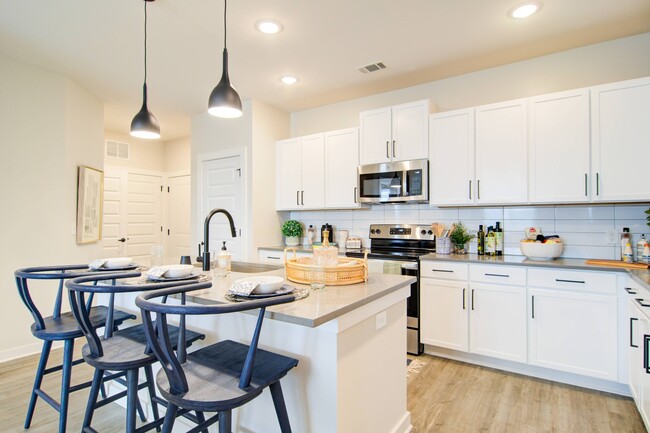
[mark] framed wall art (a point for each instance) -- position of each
(90, 197)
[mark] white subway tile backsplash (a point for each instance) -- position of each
(584, 226)
(339, 215)
(584, 212)
(478, 213)
(593, 252)
(434, 214)
(368, 214)
(629, 212)
(547, 226)
(583, 239)
(401, 216)
(527, 213)
(635, 226)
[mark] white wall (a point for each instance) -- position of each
(177, 156)
(615, 60)
(50, 125)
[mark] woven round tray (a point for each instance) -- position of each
(349, 271)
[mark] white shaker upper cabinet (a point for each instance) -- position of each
(559, 147)
(501, 153)
(342, 150)
(300, 173)
(288, 173)
(396, 133)
(620, 128)
(451, 158)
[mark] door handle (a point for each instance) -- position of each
(298, 198)
(472, 299)
(463, 299)
(646, 338)
(355, 194)
(533, 306)
(470, 189)
(630, 291)
(478, 189)
(121, 240)
(387, 151)
(597, 183)
(302, 198)
(393, 148)
(585, 184)
(632, 319)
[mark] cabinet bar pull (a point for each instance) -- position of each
(273, 257)
(478, 189)
(441, 270)
(632, 319)
(597, 182)
(629, 290)
(569, 281)
(387, 151)
(585, 184)
(298, 198)
(470, 189)
(641, 303)
(533, 306)
(646, 338)
(472, 299)
(393, 148)
(302, 198)
(463, 299)
(355, 194)
(497, 275)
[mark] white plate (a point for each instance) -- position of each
(266, 283)
(193, 274)
(118, 262)
(177, 271)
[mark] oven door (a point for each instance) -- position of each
(411, 268)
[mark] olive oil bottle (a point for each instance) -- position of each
(490, 242)
(480, 237)
(498, 234)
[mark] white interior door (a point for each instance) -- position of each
(222, 187)
(178, 210)
(144, 215)
(114, 217)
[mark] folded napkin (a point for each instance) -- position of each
(243, 288)
(156, 272)
(97, 264)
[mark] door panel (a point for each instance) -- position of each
(114, 216)
(144, 215)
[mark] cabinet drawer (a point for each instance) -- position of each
(496, 274)
(444, 270)
(596, 282)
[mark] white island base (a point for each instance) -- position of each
(351, 376)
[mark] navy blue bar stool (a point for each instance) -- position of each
(60, 327)
(219, 377)
(124, 351)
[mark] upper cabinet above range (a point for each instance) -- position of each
(396, 133)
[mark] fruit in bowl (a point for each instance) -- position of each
(546, 249)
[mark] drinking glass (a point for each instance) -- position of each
(156, 255)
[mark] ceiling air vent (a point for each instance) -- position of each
(116, 149)
(373, 67)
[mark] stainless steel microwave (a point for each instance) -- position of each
(394, 182)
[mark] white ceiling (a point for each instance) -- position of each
(99, 44)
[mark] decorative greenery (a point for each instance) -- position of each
(292, 228)
(460, 235)
(648, 217)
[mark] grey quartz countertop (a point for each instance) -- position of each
(320, 306)
(639, 275)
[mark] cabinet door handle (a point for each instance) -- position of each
(355, 194)
(641, 303)
(393, 148)
(559, 280)
(472, 299)
(533, 306)
(497, 275)
(586, 185)
(478, 189)
(463, 299)
(632, 319)
(273, 257)
(597, 184)
(441, 270)
(630, 291)
(298, 198)
(302, 198)
(646, 338)
(470, 189)
(387, 150)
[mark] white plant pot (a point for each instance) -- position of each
(291, 241)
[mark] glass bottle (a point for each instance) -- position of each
(310, 234)
(480, 237)
(625, 239)
(498, 234)
(639, 248)
(490, 242)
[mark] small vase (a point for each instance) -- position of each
(291, 241)
(460, 249)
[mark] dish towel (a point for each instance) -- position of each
(97, 264)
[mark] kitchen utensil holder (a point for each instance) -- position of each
(443, 245)
(348, 271)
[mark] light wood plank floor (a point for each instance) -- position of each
(453, 397)
(444, 397)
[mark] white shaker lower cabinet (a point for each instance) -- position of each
(443, 317)
(573, 322)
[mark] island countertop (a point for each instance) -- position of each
(317, 308)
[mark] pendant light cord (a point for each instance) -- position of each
(225, 6)
(145, 41)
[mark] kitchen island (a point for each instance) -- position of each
(351, 345)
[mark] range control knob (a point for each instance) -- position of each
(423, 232)
(430, 232)
(372, 231)
(378, 231)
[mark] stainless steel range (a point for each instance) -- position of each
(396, 249)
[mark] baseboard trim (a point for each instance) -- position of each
(17, 353)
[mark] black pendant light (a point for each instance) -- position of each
(145, 124)
(224, 100)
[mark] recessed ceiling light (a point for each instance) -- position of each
(269, 27)
(289, 79)
(525, 10)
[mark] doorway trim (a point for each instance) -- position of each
(242, 153)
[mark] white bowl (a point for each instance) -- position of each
(178, 271)
(540, 251)
(118, 262)
(266, 283)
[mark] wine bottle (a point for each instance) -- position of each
(498, 234)
(480, 236)
(490, 242)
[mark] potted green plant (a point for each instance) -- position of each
(459, 236)
(648, 217)
(292, 230)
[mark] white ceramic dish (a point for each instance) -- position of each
(540, 251)
(177, 271)
(266, 283)
(118, 262)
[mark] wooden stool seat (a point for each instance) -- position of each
(213, 374)
(127, 348)
(65, 326)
